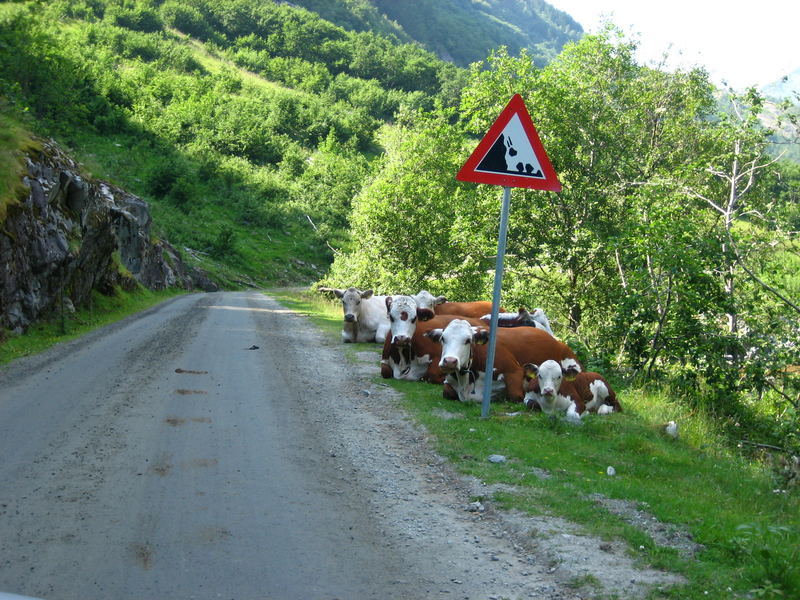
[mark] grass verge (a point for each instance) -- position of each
(746, 524)
(103, 310)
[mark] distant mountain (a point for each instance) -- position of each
(459, 31)
(786, 87)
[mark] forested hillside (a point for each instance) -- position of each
(272, 141)
(461, 31)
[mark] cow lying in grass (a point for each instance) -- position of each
(440, 306)
(521, 318)
(556, 388)
(463, 358)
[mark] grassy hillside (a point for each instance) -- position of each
(247, 125)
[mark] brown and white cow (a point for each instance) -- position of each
(551, 387)
(521, 318)
(441, 306)
(464, 357)
(365, 318)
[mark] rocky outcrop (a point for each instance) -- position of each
(70, 235)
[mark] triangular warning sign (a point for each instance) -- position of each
(511, 154)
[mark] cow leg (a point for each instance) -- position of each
(599, 392)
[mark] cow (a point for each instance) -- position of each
(521, 318)
(441, 306)
(407, 353)
(463, 357)
(365, 318)
(553, 388)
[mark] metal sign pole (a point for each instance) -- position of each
(498, 282)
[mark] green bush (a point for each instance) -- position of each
(138, 18)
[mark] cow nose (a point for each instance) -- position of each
(448, 363)
(402, 340)
(548, 391)
(349, 317)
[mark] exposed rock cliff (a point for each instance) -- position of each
(72, 234)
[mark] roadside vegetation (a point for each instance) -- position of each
(733, 520)
(103, 310)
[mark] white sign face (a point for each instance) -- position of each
(512, 153)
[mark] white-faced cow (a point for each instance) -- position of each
(521, 318)
(441, 306)
(365, 318)
(463, 357)
(553, 388)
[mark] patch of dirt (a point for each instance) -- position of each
(427, 509)
(663, 534)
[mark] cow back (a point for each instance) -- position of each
(472, 310)
(533, 345)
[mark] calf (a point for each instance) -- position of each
(441, 306)
(522, 318)
(464, 357)
(551, 387)
(365, 318)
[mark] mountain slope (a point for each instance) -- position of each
(460, 31)
(786, 87)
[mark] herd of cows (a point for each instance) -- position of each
(427, 338)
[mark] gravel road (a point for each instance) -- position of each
(218, 446)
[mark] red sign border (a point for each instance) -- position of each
(516, 106)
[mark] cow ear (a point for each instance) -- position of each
(366, 294)
(439, 300)
(480, 335)
(389, 300)
(435, 334)
(339, 293)
(531, 370)
(570, 369)
(425, 314)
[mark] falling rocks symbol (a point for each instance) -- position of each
(500, 159)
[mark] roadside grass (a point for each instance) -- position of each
(14, 141)
(700, 484)
(103, 311)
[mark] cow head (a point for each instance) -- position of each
(457, 340)
(425, 299)
(351, 302)
(548, 376)
(403, 315)
(570, 368)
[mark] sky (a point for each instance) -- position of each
(741, 42)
